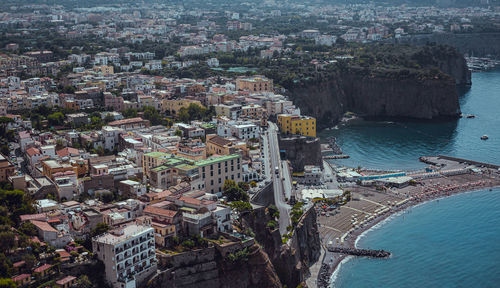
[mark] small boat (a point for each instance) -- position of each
(471, 116)
(484, 137)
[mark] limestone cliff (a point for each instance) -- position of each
(422, 86)
(292, 260)
(208, 268)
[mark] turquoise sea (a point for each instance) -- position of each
(453, 242)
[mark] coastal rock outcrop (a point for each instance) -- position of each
(428, 92)
(292, 260)
(209, 268)
(377, 97)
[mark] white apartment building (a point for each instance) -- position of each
(111, 135)
(128, 254)
(245, 131)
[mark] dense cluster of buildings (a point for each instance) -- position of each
(148, 156)
(151, 184)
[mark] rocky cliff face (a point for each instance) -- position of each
(369, 96)
(291, 261)
(207, 268)
(428, 92)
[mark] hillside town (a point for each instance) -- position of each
(95, 159)
(136, 135)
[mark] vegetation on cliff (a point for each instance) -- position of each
(372, 60)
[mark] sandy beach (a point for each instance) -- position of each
(429, 190)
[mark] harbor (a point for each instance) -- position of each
(340, 225)
(478, 64)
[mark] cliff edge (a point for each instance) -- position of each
(417, 82)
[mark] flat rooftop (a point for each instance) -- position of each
(218, 159)
(122, 234)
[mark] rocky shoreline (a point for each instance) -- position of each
(328, 268)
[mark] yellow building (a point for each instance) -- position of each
(217, 145)
(254, 84)
(71, 105)
(50, 167)
(297, 125)
(104, 69)
(174, 105)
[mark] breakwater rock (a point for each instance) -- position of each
(360, 252)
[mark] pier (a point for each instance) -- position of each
(360, 252)
(343, 156)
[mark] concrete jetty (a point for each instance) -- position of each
(360, 252)
(343, 156)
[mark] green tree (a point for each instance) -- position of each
(56, 118)
(29, 260)
(151, 114)
(241, 206)
(83, 282)
(234, 192)
(7, 283)
(130, 113)
(183, 115)
(28, 229)
(7, 241)
(5, 266)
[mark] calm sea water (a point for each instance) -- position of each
(397, 145)
(453, 242)
(450, 243)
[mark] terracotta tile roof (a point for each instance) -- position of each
(190, 200)
(63, 253)
(68, 151)
(220, 141)
(65, 280)
(19, 264)
(44, 226)
(160, 211)
(42, 268)
(27, 217)
(125, 121)
(32, 151)
(20, 277)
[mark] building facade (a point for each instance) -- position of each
(128, 254)
(297, 125)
